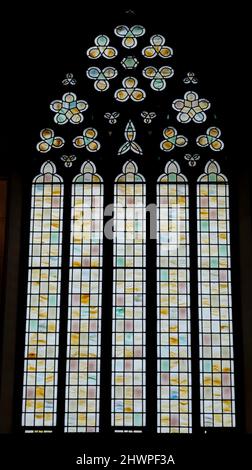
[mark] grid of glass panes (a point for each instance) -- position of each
(129, 304)
(215, 305)
(173, 307)
(43, 301)
(82, 404)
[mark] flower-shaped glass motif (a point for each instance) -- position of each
(68, 109)
(130, 90)
(148, 117)
(158, 76)
(102, 49)
(172, 139)
(211, 139)
(87, 140)
(129, 35)
(68, 160)
(190, 78)
(157, 48)
(69, 80)
(192, 159)
(101, 77)
(191, 108)
(48, 141)
(112, 117)
(130, 62)
(130, 144)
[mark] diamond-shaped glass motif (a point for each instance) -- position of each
(130, 62)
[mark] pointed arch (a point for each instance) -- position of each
(129, 173)
(88, 174)
(212, 173)
(43, 301)
(172, 173)
(47, 174)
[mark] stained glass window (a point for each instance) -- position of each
(215, 303)
(84, 310)
(173, 303)
(129, 326)
(81, 321)
(43, 300)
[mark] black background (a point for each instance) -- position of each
(39, 44)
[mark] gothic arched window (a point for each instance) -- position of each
(129, 300)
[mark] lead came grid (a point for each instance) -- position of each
(215, 303)
(43, 301)
(173, 304)
(129, 304)
(82, 405)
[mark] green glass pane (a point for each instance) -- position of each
(214, 262)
